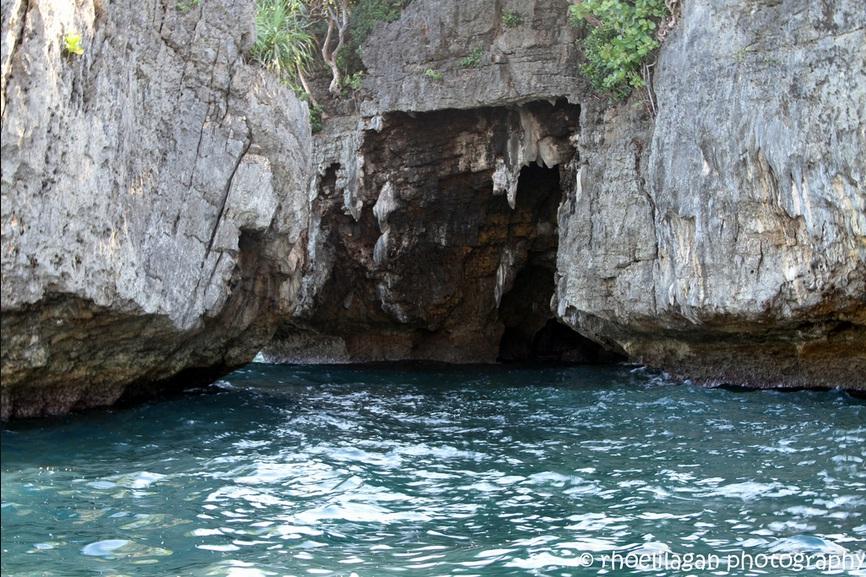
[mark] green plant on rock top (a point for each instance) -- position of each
(512, 19)
(473, 59)
(72, 45)
(434, 75)
(622, 36)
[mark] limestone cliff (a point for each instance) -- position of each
(164, 210)
(153, 199)
(727, 239)
(722, 238)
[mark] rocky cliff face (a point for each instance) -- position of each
(727, 239)
(721, 239)
(153, 199)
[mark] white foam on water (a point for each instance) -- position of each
(138, 480)
(494, 553)
(750, 490)
(589, 544)
(222, 548)
(806, 544)
(357, 513)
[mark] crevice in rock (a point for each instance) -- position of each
(532, 333)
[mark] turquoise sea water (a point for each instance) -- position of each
(486, 471)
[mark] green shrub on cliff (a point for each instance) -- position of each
(623, 34)
(473, 59)
(512, 19)
(284, 44)
(72, 45)
(316, 120)
(353, 82)
(434, 75)
(297, 37)
(186, 6)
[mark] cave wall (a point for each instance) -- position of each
(432, 226)
(153, 199)
(417, 269)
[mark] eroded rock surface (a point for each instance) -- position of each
(482, 61)
(158, 222)
(153, 199)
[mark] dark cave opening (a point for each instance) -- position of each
(553, 343)
(432, 261)
(531, 332)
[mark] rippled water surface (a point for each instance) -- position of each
(476, 471)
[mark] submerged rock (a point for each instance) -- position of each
(153, 199)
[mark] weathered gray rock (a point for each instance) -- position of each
(158, 223)
(482, 61)
(727, 240)
(153, 198)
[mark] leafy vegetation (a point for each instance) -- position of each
(284, 44)
(434, 75)
(353, 82)
(316, 112)
(473, 59)
(72, 45)
(291, 33)
(316, 121)
(512, 19)
(623, 34)
(185, 6)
